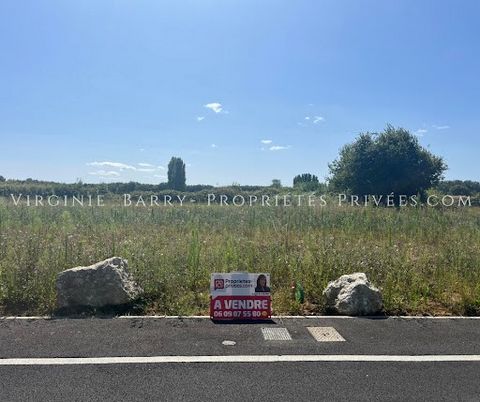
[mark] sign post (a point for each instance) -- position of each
(240, 296)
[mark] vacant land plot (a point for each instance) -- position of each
(425, 260)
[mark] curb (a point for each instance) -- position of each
(279, 317)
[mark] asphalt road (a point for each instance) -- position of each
(224, 380)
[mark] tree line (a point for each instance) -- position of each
(389, 162)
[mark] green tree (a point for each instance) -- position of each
(2, 178)
(276, 183)
(459, 187)
(383, 163)
(176, 174)
(306, 182)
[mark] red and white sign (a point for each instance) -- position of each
(240, 296)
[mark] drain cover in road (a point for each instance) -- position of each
(325, 334)
(276, 334)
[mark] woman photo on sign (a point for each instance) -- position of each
(262, 284)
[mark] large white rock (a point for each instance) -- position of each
(353, 295)
(106, 283)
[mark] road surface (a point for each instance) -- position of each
(191, 359)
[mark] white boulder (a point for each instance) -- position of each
(353, 295)
(106, 283)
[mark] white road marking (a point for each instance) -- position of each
(314, 317)
(229, 343)
(276, 334)
(196, 317)
(61, 361)
(325, 334)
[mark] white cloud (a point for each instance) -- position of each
(266, 141)
(445, 127)
(146, 170)
(161, 167)
(213, 146)
(214, 106)
(116, 165)
(104, 173)
(200, 118)
(143, 164)
(314, 119)
(160, 176)
(420, 132)
(278, 147)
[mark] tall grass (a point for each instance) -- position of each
(425, 260)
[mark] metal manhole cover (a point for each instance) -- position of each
(325, 334)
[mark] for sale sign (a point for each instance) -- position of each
(240, 296)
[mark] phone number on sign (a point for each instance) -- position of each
(239, 314)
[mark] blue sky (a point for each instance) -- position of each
(111, 90)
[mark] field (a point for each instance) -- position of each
(425, 260)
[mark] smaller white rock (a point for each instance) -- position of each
(353, 295)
